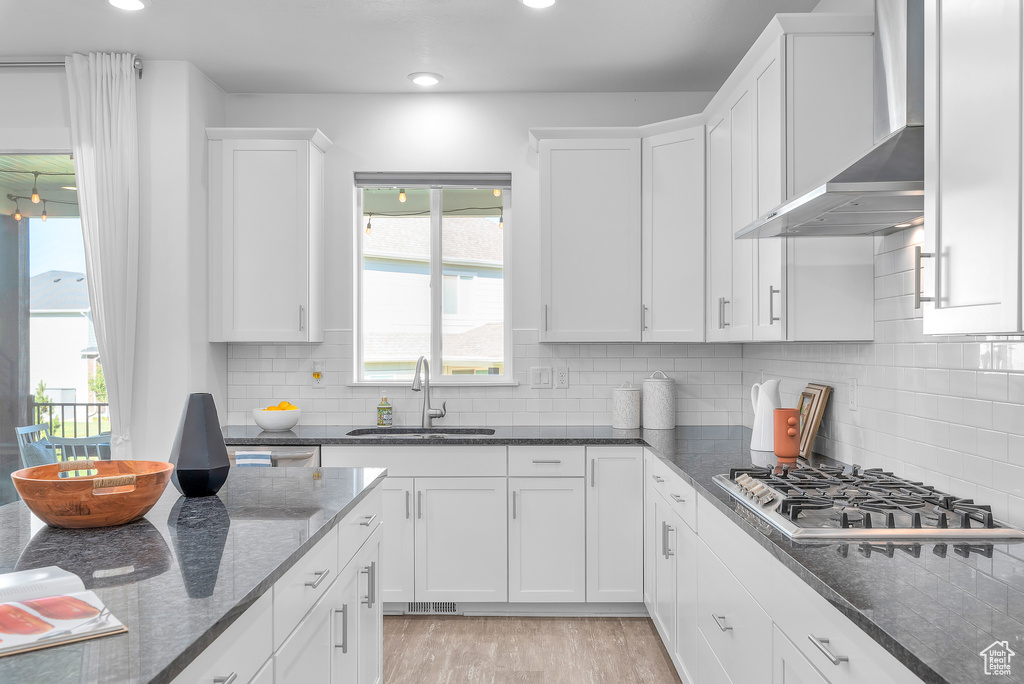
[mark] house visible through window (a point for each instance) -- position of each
(430, 276)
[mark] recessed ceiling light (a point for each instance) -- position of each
(538, 4)
(425, 78)
(131, 5)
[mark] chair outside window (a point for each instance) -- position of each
(35, 446)
(79, 448)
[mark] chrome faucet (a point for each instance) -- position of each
(428, 413)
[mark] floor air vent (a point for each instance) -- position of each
(433, 608)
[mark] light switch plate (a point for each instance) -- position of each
(540, 377)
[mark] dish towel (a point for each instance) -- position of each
(253, 459)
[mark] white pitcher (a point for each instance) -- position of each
(765, 399)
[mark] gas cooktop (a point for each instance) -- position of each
(832, 502)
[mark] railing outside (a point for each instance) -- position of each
(70, 419)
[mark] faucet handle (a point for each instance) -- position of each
(439, 412)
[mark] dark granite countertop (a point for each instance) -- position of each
(179, 576)
(933, 606)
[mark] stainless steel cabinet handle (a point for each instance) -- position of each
(302, 317)
(720, 620)
(822, 644)
(514, 498)
(721, 312)
(225, 680)
(419, 504)
(664, 539)
(668, 549)
(368, 520)
(545, 318)
(546, 462)
(724, 302)
(593, 474)
(643, 318)
(657, 479)
(677, 498)
(408, 504)
(918, 255)
(344, 628)
(371, 583)
(771, 304)
(321, 575)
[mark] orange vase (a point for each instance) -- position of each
(787, 435)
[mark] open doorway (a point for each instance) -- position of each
(50, 373)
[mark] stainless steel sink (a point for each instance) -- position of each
(420, 433)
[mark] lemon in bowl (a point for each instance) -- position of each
(277, 418)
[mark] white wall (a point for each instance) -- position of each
(445, 132)
(35, 116)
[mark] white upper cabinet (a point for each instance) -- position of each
(797, 109)
(590, 239)
(266, 234)
(673, 236)
(972, 167)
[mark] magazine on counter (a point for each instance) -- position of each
(49, 607)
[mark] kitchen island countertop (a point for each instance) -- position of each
(181, 575)
(933, 606)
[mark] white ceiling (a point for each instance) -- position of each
(369, 46)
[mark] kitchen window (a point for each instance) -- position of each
(430, 277)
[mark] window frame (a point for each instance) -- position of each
(436, 183)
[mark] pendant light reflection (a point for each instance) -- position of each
(43, 217)
(497, 192)
(17, 211)
(401, 195)
(35, 188)
(501, 219)
(368, 219)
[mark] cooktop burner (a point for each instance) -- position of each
(832, 502)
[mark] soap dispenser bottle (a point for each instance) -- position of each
(384, 414)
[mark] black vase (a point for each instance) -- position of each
(199, 455)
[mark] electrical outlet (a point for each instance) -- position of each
(540, 377)
(318, 374)
(853, 394)
(562, 378)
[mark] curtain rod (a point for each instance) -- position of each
(55, 63)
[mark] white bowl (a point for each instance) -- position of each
(276, 421)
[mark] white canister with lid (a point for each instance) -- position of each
(626, 407)
(659, 402)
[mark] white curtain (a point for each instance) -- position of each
(105, 141)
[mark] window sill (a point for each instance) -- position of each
(436, 383)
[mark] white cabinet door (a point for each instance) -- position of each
(615, 510)
(306, 655)
(789, 665)
(398, 550)
(650, 532)
(461, 539)
(719, 219)
(740, 310)
(973, 166)
(343, 598)
(547, 552)
(266, 257)
(265, 675)
(709, 669)
(590, 240)
(673, 236)
(686, 599)
(370, 614)
(666, 530)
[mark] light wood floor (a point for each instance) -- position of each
(429, 649)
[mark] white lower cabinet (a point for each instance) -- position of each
(547, 553)
(305, 656)
(685, 650)
(461, 539)
(664, 594)
(709, 669)
(615, 508)
(398, 576)
(265, 675)
(344, 599)
(369, 614)
(789, 666)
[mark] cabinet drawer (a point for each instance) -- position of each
(544, 461)
(747, 559)
(802, 613)
(736, 628)
(356, 527)
(421, 461)
(301, 587)
(679, 493)
(241, 649)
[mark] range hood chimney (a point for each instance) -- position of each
(883, 191)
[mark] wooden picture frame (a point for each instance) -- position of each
(812, 405)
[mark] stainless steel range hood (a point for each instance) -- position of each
(883, 191)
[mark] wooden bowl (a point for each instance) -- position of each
(78, 494)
